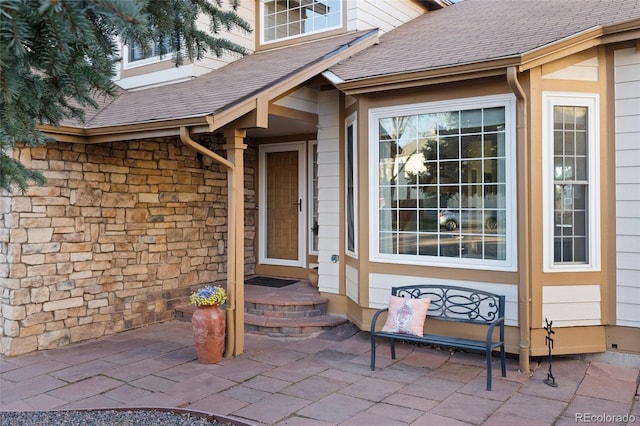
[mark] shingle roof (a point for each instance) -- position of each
(215, 91)
(475, 31)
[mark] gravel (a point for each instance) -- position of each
(102, 418)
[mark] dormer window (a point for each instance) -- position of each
(286, 19)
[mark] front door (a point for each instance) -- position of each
(281, 216)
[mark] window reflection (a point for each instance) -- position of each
(442, 184)
(282, 19)
(570, 184)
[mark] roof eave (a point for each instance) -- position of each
(562, 48)
(576, 43)
(150, 129)
(255, 106)
(581, 41)
(624, 31)
(425, 77)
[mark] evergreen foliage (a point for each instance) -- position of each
(57, 57)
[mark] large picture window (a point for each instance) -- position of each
(284, 19)
(445, 189)
(570, 189)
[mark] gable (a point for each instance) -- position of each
(586, 70)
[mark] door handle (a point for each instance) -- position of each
(299, 204)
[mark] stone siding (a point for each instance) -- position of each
(120, 235)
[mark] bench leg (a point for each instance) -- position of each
(489, 369)
(392, 344)
(503, 361)
(373, 351)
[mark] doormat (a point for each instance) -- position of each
(269, 282)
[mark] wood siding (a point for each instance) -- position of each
(584, 71)
(571, 305)
(328, 191)
(380, 290)
(627, 105)
(382, 14)
(304, 99)
(352, 283)
(132, 76)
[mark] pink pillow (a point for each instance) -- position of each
(406, 316)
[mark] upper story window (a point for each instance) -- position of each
(443, 183)
(142, 55)
(285, 19)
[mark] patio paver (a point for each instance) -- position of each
(317, 381)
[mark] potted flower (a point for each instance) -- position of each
(208, 323)
(209, 296)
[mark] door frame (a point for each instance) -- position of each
(300, 147)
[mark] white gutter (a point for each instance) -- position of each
(332, 77)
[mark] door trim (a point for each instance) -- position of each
(300, 147)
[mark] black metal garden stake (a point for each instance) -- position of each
(550, 380)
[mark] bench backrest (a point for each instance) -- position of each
(452, 303)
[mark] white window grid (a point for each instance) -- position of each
(557, 219)
(508, 258)
(287, 19)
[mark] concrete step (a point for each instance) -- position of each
(291, 327)
(284, 309)
(279, 326)
(296, 310)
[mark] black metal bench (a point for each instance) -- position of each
(450, 303)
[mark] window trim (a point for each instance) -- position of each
(264, 42)
(312, 193)
(511, 244)
(127, 64)
(592, 102)
(352, 121)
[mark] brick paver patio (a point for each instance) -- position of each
(320, 380)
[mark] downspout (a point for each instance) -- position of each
(231, 281)
(524, 290)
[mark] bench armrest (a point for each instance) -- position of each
(375, 319)
(492, 326)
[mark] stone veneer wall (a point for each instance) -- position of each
(121, 234)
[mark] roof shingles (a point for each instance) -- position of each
(471, 31)
(475, 31)
(216, 90)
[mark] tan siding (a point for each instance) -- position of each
(165, 71)
(383, 14)
(247, 11)
(585, 71)
(304, 99)
(627, 95)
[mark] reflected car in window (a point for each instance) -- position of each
(468, 219)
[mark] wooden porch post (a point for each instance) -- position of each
(235, 147)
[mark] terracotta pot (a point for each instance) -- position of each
(208, 324)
